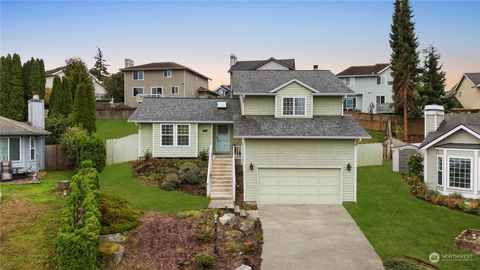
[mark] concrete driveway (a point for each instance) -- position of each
(314, 237)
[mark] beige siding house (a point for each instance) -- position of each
(451, 152)
(285, 128)
(161, 79)
(467, 90)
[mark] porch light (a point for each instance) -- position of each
(349, 167)
(251, 166)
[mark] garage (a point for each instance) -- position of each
(299, 186)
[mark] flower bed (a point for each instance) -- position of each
(469, 240)
(420, 190)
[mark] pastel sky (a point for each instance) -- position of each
(202, 34)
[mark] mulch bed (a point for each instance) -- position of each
(166, 242)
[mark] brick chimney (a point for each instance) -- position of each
(128, 62)
(233, 59)
(36, 112)
(433, 115)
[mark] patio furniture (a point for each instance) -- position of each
(6, 170)
(19, 173)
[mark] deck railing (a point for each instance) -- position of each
(209, 170)
(237, 153)
(233, 173)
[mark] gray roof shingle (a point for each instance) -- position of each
(363, 70)
(318, 126)
(251, 65)
(263, 81)
(474, 77)
(11, 127)
(185, 110)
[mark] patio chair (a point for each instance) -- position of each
(6, 170)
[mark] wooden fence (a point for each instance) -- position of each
(370, 154)
(378, 122)
(122, 149)
(112, 113)
(56, 159)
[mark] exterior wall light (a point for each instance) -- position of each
(251, 166)
(349, 167)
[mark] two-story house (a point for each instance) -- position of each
(467, 90)
(162, 79)
(99, 89)
(373, 92)
(285, 127)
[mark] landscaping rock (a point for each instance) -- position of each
(110, 254)
(227, 218)
(234, 235)
(243, 213)
(252, 214)
(114, 238)
(64, 186)
(247, 225)
(236, 209)
(244, 267)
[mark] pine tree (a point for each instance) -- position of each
(43, 78)
(16, 100)
(4, 84)
(67, 101)
(79, 106)
(432, 78)
(25, 76)
(35, 79)
(90, 109)
(99, 70)
(56, 97)
(76, 70)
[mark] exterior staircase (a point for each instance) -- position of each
(221, 186)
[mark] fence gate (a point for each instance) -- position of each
(122, 149)
(56, 159)
(370, 154)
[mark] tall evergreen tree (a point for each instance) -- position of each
(90, 109)
(67, 97)
(16, 100)
(56, 97)
(77, 72)
(114, 86)
(5, 75)
(43, 78)
(99, 70)
(25, 75)
(432, 78)
(35, 78)
(79, 105)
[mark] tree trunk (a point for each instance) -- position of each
(405, 115)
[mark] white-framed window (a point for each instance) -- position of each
(10, 149)
(137, 75)
(175, 89)
(350, 81)
(380, 99)
(137, 91)
(167, 135)
(382, 80)
(183, 135)
(460, 172)
(440, 170)
(350, 103)
(157, 90)
(167, 73)
(32, 148)
(293, 106)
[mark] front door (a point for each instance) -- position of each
(223, 139)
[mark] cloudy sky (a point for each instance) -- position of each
(202, 34)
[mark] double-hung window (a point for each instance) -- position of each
(350, 81)
(167, 135)
(293, 106)
(175, 90)
(167, 73)
(32, 148)
(183, 135)
(10, 149)
(460, 172)
(137, 91)
(138, 75)
(350, 103)
(380, 99)
(175, 135)
(440, 170)
(157, 90)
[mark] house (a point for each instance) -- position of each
(451, 152)
(100, 92)
(23, 144)
(224, 90)
(162, 79)
(285, 127)
(206, 93)
(373, 93)
(467, 90)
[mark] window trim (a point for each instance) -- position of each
(293, 108)
(151, 90)
(188, 134)
(471, 173)
(384, 99)
(168, 76)
(354, 105)
(133, 90)
(133, 76)
(19, 148)
(178, 87)
(32, 139)
(175, 135)
(161, 135)
(442, 170)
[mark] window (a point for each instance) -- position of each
(175, 90)
(182, 135)
(10, 149)
(440, 170)
(350, 81)
(350, 103)
(157, 90)
(32, 148)
(138, 75)
(460, 173)
(383, 80)
(167, 134)
(167, 73)
(137, 91)
(293, 106)
(380, 99)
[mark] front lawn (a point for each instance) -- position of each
(398, 224)
(111, 129)
(118, 179)
(377, 137)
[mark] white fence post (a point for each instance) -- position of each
(370, 154)
(122, 149)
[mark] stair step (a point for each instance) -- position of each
(216, 203)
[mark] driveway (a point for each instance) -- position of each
(314, 237)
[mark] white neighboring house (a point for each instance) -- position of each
(224, 90)
(100, 91)
(373, 93)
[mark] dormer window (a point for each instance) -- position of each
(293, 106)
(138, 75)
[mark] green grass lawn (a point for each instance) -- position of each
(398, 224)
(377, 137)
(111, 129)
(118, 179)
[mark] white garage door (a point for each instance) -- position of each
(299, 186)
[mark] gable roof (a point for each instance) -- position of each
(474, 77)
(372, 70)
(254, 64)
(162, 66)
(261, 82)
(54, 71)
(208, 91)
(193, 110)
(452, 123)
(11, 127)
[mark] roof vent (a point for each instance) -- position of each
(221, 105)
(315, 67)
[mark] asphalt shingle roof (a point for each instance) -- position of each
(363, 70)
(251, 65)
(161, 66)
(318, 126)
(11, 127)
(263, 81)
(474, 77)
(53, 71)
(185, 110)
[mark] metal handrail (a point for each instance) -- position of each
(233, 174)
(209, 170)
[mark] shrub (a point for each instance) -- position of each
(393, 264)
(86, 164)
(117, 214)
(57, 125)
(93, 148)
(147, 155)
(69, 141)
(204, 261)
(203, 155)
(415, 164)
(456, 195)
(190, 213)
(189, 173)
(231, 247)
(204, 235)
(169, 182)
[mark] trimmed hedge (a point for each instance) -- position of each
(92, 148)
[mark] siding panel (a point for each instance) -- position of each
(145, 138)
(258, 105)
(205, 133)
(327, 105)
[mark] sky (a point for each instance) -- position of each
(202, 34)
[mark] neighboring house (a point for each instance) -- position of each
(451, 152)
(467, 90)
(373, 93)
(100, 92)
(162, 79)
(206, 93)
(285, 127)
(24, 143)
(224, 90)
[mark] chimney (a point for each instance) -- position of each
(233, 59)
(433, 117)
(315, 67)
(128, 62)
(36, 112)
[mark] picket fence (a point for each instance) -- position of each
(370, 154)
(122, 149)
